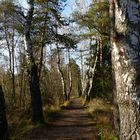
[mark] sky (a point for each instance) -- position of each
(71, 5)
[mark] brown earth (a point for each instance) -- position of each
(73, 123)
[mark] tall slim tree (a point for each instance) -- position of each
(36, 102)
(69, 75)
(8, 33)
(64, 90)
(125, 41)
(91, 71)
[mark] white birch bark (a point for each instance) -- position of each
(61, 76)
(125, 40)
(92, 71)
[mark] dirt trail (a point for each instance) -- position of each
(72, 124)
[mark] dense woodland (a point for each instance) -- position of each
(46, 59)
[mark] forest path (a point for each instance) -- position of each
(73, 123)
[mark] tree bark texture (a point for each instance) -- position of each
(4, 135)
(62, 76)
(125, 41)
(91, 73)
(36, 101)
(116, 109)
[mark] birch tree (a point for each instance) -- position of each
(125, 41)
(64, 90)
(91, 71)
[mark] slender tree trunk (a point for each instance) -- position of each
(4, 134)
(112, 35)
(69, 76)
(92, 71)
(36, 101)
(62, 76)
(87, 77)
(22, 88)
(82, 72)
(13, 61)
(101, 50)
(42, 46)
(125, 40)
(101, 60)
(10, 45)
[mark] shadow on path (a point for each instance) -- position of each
(72, 124)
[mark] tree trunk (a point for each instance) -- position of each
(116, 108)
(4, 135)
(42, 46)
(69, 76)
(11, 51)
(82, 72)
(91, 75)
(62, 76)
(125, 34)
(36, 101)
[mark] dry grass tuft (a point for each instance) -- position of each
(102, 113)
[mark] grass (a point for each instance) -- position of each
(65, 104)
(20, 122)
(51, 113)
(101, 112)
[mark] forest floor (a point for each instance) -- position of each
(73, 123)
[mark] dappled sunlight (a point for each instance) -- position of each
(69, 69)
(71, 122)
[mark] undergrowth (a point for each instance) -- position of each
(65, 104)
(21, 124)
(101, 112)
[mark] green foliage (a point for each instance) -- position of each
(102, 83)
(67, 40)
(96, 22)
(96, 19)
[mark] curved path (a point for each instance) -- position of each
(72, 124)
